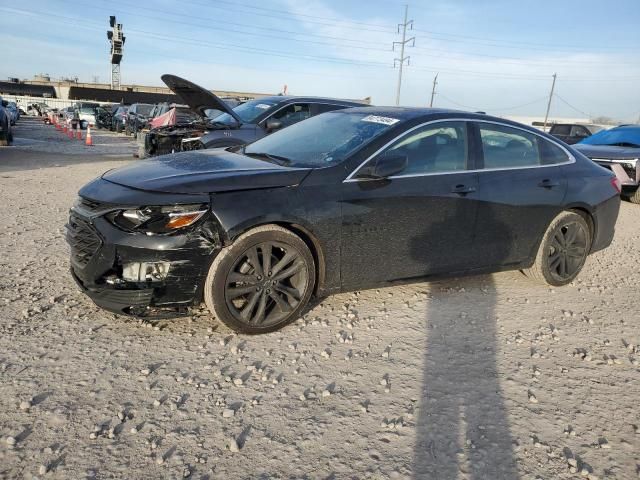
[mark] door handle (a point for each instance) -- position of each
(463, 189)
(547, 183)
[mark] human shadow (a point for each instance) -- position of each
(462, 429)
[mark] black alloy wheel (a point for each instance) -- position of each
(563, 250)
(262, 281)
(568, 250)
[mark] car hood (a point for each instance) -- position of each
(204, 171)
(198, 99)
(608, 151)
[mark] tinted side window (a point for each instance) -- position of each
(440, 147)
(506, 147)
(551, 153)
(293, 113)
(579, 131)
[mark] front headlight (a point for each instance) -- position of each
(151, 220)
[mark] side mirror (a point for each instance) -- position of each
(273, 124)
(5, 103)
(384, 166)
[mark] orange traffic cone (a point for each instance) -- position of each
(64, 128)
(88, 140)
(79, 133)
(71, 133)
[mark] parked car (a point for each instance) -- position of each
(14, 112)
(6, 136)
(119, 118)
(617, 149)
(103, 117)
(346, 200)
(87, 112)
(573, 132)
(137, 117)
(248, 121)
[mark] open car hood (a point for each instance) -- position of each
(197, 97)
(204, 171)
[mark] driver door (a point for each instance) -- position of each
(416, 223)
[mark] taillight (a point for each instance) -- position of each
(615, 183)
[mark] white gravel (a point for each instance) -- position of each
(468, 356)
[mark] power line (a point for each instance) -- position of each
(47, 16)
(513, 107)
(284, 12)
(172, 20)
(572, 107)
(512, 42)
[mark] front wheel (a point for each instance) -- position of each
(563, 250)
(262, 281)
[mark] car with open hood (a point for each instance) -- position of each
(617, 149)
(346, 200)
(226, 122)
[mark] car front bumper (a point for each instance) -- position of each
(99, 252)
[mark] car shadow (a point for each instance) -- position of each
(462, 428)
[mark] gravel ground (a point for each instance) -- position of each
(32, 135)
(487, 377)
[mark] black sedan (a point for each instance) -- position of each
(346, 200)
(617, 149)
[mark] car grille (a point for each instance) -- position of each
(83, 239)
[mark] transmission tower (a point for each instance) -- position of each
(401, 61)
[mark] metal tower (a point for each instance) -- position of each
(116, 38)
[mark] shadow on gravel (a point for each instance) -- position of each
(462, 429)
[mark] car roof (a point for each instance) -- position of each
(300, 98)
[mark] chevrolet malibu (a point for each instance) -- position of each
(346, 200)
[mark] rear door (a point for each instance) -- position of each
(521, 189)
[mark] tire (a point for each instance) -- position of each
(563, 250)
(118, 128)
(634, 197)
(253, 303)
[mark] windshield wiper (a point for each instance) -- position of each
(278, 159)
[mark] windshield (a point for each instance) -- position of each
(248, 111)
(322, 140)
(144, 110)
(620, 136)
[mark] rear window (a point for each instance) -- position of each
(144, 109)
(560, 129)
(506, 147)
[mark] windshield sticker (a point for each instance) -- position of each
(382, 120)
(263, 106)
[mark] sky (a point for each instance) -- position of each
(496, 56)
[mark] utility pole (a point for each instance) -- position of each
(403, 43)
(433, 90)
(546, 116)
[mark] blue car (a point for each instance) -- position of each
(618, 150)
(6, 137)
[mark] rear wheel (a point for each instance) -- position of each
(634, 197)
(262, 281)
(563, 250)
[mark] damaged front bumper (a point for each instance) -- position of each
(138, 274)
